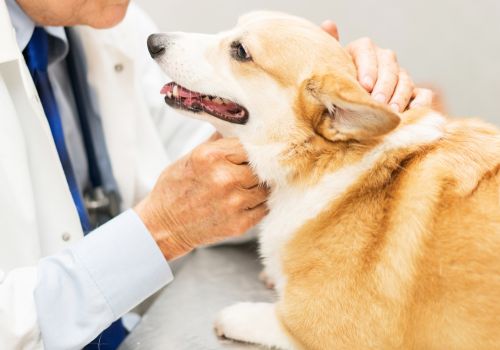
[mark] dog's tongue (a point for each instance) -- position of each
(178, 91)
(178, 96)
(165, 89)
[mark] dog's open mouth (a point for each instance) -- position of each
(179, 97)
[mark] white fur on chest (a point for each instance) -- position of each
(291, 206)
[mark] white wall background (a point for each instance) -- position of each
(452, 44)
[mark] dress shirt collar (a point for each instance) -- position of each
(24, 27)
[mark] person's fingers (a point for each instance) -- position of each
(364, 55)
(403, 93)
(232, 150)
(244, 176)
(238, 156)
(253, 197)
(331, 28)
(249, 218)
(256, 214)
(388, 73)
(214, 137)
(422, 98)
(228, 150)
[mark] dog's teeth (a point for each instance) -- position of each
(176, 91)
(219, 101)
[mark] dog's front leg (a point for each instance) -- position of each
(255, 323)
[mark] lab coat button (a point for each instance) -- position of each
(66, 236)
(118, 67)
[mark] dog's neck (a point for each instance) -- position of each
(304, 160)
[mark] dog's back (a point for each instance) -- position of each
(459, 305)
(408, 258)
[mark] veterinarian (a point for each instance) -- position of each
(83, 138)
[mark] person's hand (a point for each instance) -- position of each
(380, 74)
(207, 196)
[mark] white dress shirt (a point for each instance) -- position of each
(83, 289)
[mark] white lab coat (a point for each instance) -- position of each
(37, 214)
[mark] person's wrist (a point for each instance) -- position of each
(171, 244)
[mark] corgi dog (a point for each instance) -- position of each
(383, 229)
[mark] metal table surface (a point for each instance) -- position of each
(181, 318)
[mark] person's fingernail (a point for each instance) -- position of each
(380, 97)
(368, 82)
(394, 107)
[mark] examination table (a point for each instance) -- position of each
(181, 318)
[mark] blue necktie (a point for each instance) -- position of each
(36, 55)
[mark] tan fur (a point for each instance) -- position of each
(275, 36)
(409, 258)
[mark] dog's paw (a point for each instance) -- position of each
(231, 322)
(268, 281)
(255, 323)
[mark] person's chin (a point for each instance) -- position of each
(110, 17)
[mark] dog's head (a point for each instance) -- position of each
(273, 78)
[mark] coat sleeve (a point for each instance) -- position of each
(18, 322)
(69, 298)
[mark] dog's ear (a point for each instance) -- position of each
(349, 111)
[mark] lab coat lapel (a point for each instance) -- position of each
(8, 42)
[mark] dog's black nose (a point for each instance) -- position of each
(156, 45)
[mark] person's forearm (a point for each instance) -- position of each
(171, 245)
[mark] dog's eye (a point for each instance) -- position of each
(239, 52)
